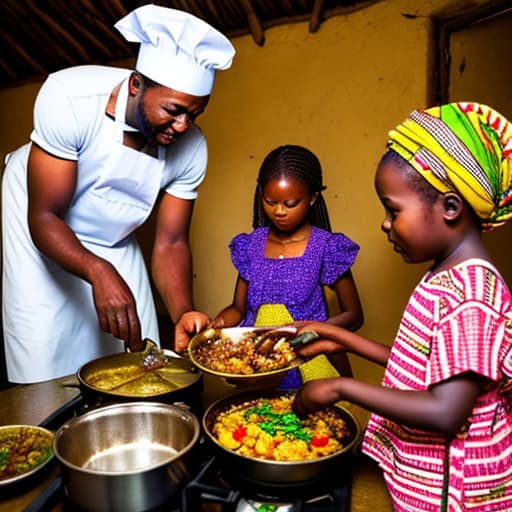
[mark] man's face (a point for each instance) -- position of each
(163, 114)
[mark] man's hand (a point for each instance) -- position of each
(189, 324)
(116, 307)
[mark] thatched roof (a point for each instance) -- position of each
(41, 36)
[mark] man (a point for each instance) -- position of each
(108, 146)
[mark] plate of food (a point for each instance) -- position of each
(24, 450)
(245, 353)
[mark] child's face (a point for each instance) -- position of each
(286, 202)
(415, 227)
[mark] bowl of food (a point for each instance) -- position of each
(245, 354)
(259, 437)
(24, 451)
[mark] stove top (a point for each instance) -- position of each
(215, 484)
(213, 488)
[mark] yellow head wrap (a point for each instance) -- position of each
(464, 148)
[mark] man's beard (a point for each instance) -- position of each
(143, 124)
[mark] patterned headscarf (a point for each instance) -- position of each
(464, 148)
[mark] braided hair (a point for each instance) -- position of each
(300, 164)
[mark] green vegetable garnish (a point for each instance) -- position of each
(272, 422)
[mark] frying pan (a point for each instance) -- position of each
(272, 471)
(172, 382)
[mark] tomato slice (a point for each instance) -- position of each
(239, 433)
(318, 442)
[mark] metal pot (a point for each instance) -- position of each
(180, 375)
(127, 457)
(278, 472)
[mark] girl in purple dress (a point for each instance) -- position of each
(291, 254)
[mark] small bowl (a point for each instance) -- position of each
(35, 444)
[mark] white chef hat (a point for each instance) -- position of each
(177, 50)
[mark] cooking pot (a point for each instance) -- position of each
(127, 457)
(271, 471)
(178, 378)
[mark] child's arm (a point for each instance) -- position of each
(234, 313)
(351, 315)
(444, 408)
(333, 339)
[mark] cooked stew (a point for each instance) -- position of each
(22, 449)
(266, 428)
(241, 357)
(137, 380)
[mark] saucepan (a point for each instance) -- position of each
(276, 472)
(126, 457)
(125, 377)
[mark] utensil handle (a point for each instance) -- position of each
(48, 498)
(305, 337)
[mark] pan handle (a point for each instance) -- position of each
(48, 498)
(63, 413)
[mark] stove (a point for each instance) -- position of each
(211, 486)
(215, 485)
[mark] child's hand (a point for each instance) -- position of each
(327, 342)
(315, 395)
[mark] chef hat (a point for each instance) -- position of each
(177, 50)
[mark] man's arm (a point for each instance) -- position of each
(51, 185)
(171, 266)
(171, 263)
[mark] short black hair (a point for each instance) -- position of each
(146, 81)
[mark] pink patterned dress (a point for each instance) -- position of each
(456, 321)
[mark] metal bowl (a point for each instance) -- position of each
(20, 438)
(236, 334)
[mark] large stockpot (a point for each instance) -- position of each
(278, 472)
(127, 457)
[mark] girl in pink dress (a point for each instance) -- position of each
(441, 427)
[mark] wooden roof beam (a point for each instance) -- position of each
(316, 15)
(255, 26)
(21, 54)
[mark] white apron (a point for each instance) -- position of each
(50, 323)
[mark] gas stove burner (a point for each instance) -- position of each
(252, 506)
(217, 485)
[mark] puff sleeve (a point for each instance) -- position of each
(240, 254)
(339, 255)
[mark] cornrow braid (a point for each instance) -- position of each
(300, 164)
